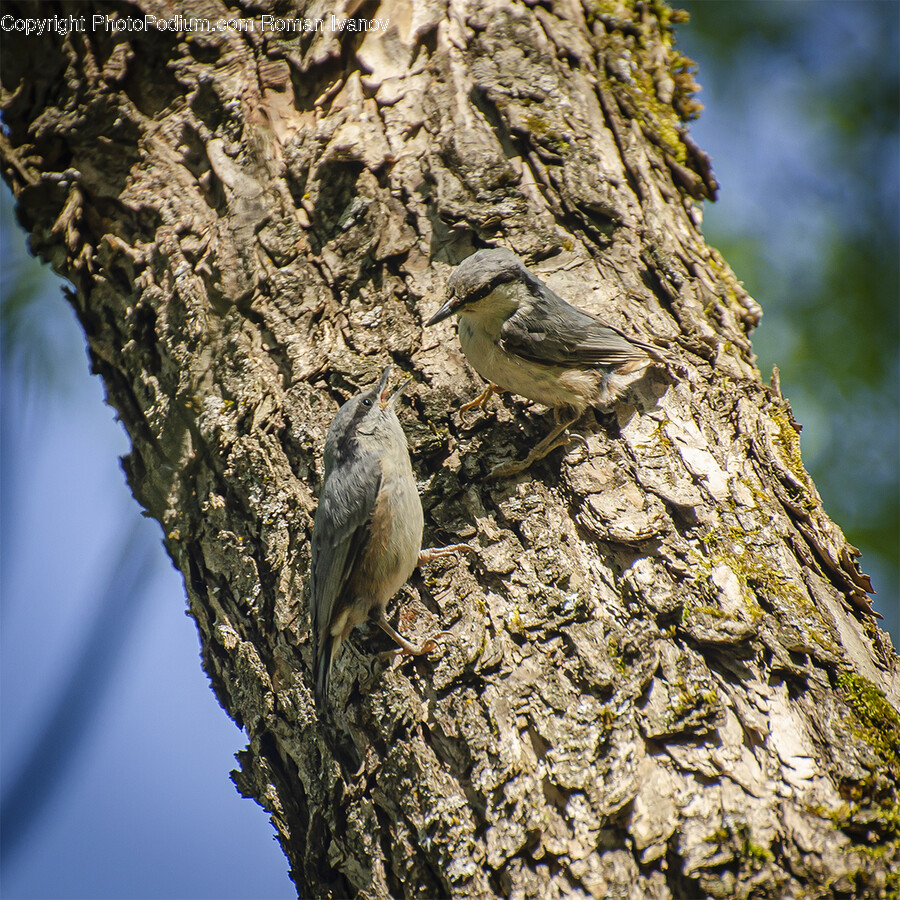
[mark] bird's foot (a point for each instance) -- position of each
(559, 437)
(426, 646)
(482, 398)
(405, 647)
(426, 556)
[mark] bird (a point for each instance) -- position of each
(522, 337)
(367, 532)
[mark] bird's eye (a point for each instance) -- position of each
(367, 402)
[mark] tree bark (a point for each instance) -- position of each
(663, 679)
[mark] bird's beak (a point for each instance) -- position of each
(385, 398)
(444, 312)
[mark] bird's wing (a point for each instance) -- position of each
(548, 330)
(339, 534)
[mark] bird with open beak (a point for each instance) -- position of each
(367, 534)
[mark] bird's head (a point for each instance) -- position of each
(475, 281)
(368, 413)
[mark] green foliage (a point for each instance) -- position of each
(804, 97)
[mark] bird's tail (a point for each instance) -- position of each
(327, 652)
(653, 352)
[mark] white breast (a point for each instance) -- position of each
(405, 542)
(402, 541)
(537, 382)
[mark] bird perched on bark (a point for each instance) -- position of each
(522, 337)
(367, 535)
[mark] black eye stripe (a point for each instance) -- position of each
(504, 277)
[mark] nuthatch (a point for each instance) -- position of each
(521, 337)
(367, 536)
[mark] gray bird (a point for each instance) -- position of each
(367, 536)
(520, 336)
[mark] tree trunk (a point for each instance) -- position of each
(663, 680)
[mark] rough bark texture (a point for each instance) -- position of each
(661, 682)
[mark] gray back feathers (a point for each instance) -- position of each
(544, 328)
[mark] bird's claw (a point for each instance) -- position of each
(428, 644)
(422, 649)
(560, 438)
(480, 401)
(426, 556)
(405, 648)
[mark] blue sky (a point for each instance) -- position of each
(143, 806)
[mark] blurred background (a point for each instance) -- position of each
(801, 120)
(114, 755)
